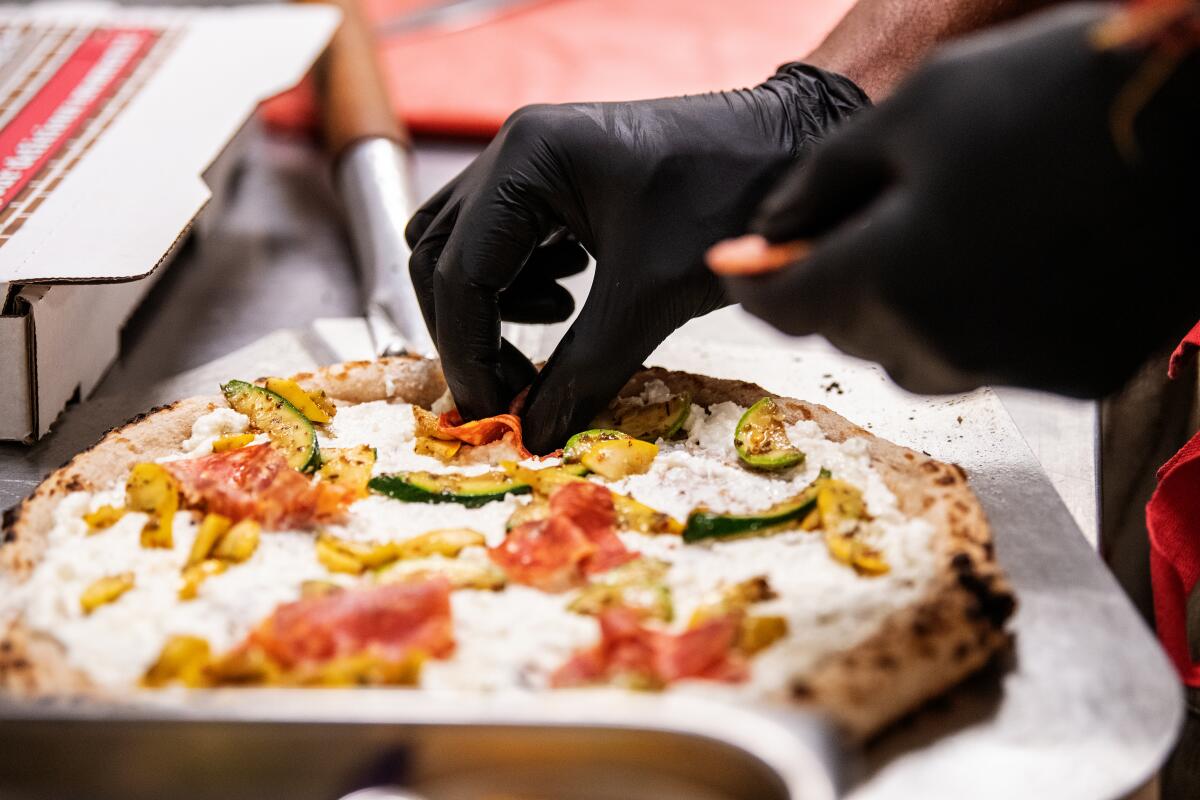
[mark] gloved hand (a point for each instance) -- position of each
(645, 187)
(997, 221)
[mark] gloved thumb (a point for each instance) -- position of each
(843, 176)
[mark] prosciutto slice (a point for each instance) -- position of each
(256, 482)
(630, 652)
(577, 539)
(392, 622)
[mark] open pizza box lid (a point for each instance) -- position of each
(116, 127)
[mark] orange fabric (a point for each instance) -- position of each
(467, 82)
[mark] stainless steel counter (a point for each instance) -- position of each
(1087, 707)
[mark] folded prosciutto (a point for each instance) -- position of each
(506, 427)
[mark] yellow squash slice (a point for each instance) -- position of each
(234, 441)
(196, 574)
(617, 458)
(239, 542)
(105, 590)
(182, 659)
(211, 529)
(349, 467)
(152, 490)
(103, 518)
(305, 402)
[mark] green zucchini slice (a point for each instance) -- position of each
(471, 491)
(648, 421)
(580, 443)
(761, 439)
(290, 431)
(703, 524)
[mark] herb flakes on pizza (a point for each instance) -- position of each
(344, 528)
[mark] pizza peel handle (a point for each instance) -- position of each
(353, 96)
(371, 155)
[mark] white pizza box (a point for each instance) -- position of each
(116, 126)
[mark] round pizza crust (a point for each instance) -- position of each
(918, 652)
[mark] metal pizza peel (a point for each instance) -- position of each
(1087, 683)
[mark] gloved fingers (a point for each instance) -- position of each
(490, 243)
(429, 211)
(559, 257)
(827, 290)
(422, 263)
(535, 301)
(845, 290)
(516, 370)
(605, 345)
(843, 176)
(535, 296)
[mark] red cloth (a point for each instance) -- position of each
(467, 82)
(1186, 349)
(1173, 520)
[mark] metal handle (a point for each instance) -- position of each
(373, 180)
(370, 151)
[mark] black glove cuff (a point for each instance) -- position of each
(814, 101)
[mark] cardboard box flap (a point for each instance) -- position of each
(112, 144)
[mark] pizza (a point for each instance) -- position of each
(346, 528)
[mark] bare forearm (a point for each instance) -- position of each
(880, 41)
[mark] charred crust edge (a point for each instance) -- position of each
(12, 516)
(993, 600)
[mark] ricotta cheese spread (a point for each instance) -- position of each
(506, 640)
(210, 427)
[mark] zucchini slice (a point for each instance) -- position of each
(635, 516)
(704, 524)
(579, 444)
(544, 481)
(761, 439)
(471, 491)
(290, 431)
(646, 421)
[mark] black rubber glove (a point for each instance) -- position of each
(984, 226)
(645, 187)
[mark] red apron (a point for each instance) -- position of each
(1173, 521)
